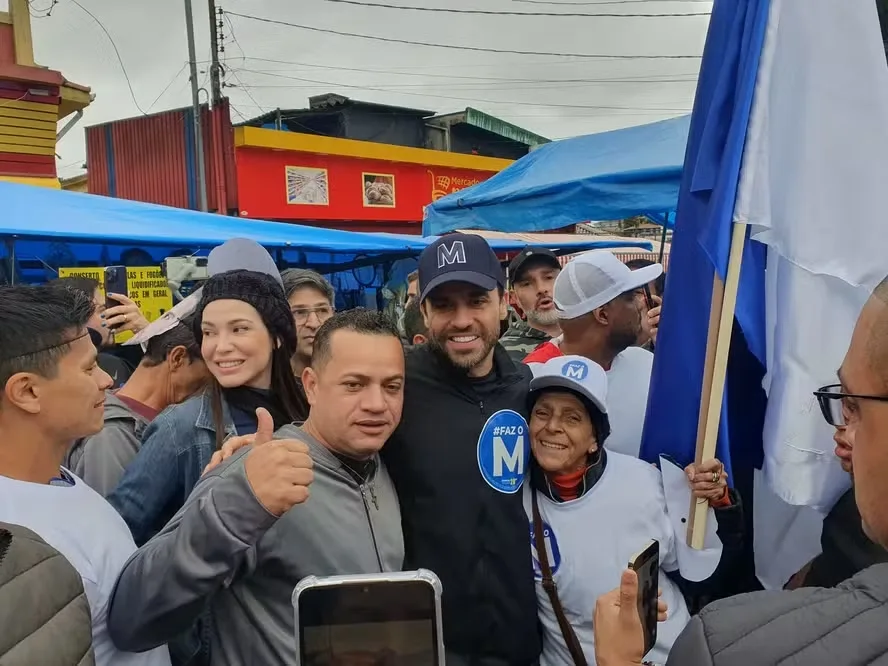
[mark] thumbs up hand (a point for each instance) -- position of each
(279, 472)
(263, 435)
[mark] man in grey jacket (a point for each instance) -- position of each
(249, 532)
(813, 626)
(170, 371)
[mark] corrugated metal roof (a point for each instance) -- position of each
(508, 130)
(492, 124)
(323, 104)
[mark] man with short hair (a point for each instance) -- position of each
(246, 535)
(412, 287)
(171, 371)
(532, 276)
(460, 456)
(811, 626)
(600, 303)
(53, 393)
(312, 300)
(414, 327)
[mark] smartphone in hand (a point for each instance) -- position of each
(115, 283)
(369, 620)
(646, 565)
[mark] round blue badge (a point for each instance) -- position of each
(503, 451)
(577, 370)
(553, 553)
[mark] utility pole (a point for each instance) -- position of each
(195, 109)
(215, 67)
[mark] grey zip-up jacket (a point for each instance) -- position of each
(224, 549)
(841, 626)
(101, 459)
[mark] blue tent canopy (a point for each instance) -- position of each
(48, 229)
(606, 176)
(41, 214)
(581, 244)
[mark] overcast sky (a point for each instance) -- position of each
(556, 96)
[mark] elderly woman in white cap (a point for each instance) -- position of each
(597, 508)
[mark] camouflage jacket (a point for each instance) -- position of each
(521, 339)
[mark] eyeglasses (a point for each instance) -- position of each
(302, 315)
(831, 399)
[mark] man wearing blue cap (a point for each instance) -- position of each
(460, 455)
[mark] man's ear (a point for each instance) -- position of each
(177, 358)
(419, 339)
(503, 308)
(602, 315)
(23, 391)
(310, 385)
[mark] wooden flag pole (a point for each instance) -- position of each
(718, 343)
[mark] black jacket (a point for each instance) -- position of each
(475, 538)
(847, 550)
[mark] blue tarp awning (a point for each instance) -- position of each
(36, 213)
(557, 245)
(607, 176)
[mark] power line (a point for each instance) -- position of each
(395, 71)
(569, 116)
(168, 86)
(485, 101)
(39, 13)
(458, 47)
(488, 12)
(243, 87)
(488, 83)
(119, 58)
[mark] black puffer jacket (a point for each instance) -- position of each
(841, 626)
(475, 538)
(44, 614)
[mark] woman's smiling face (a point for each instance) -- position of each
(236, 345)
(561, 432)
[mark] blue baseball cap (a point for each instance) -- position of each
(459, 258)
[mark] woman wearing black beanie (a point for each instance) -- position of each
(247, 336)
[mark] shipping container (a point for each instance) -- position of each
(152, 159)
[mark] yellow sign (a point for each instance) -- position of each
(146, 285)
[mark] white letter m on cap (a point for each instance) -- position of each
(455, 254)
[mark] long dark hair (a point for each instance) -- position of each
(266, 295)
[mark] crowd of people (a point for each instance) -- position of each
(163, 515)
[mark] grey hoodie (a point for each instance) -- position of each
(224, 551)
(101, 459)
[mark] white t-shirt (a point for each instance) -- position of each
(589, 543)
(628, 383)
(82, 526)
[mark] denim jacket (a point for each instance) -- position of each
(176, 447)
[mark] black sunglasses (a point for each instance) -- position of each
(830, 399)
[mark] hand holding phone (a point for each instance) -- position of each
(646, 565)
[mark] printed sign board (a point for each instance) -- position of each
(146, 285)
